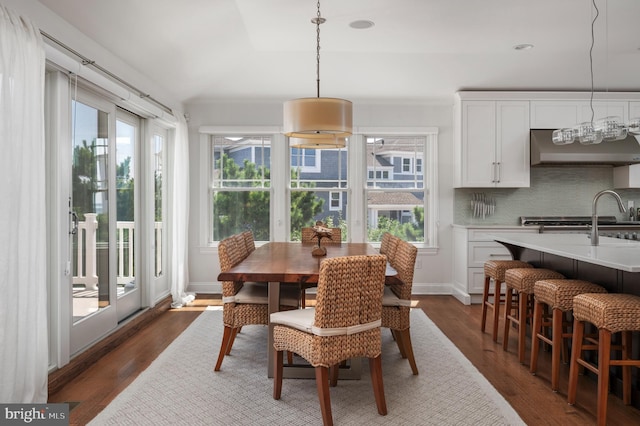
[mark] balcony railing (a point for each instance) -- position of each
(88, 250)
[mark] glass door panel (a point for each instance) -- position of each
(90, 210)
(127, 257)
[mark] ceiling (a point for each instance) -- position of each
(418, 50)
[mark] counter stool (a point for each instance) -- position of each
(521, 280)
(610, 313)
(558, 295)
(495, 269)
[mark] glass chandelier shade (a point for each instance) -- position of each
(605, 129)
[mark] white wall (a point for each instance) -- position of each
(433, 271)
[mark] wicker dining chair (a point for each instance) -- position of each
(345, 323)
(388, 245)
(307, 235)
(244, 303)
(249, 241)
(396, 303)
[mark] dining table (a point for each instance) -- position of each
(287, 263)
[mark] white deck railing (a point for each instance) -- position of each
(86, 253)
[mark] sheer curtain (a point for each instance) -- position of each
(179, 190)
(24, 355)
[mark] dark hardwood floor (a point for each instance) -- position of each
(530, 396)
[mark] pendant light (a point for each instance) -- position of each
(318, 122)
(605, 129)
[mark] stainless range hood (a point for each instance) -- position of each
(612, 153)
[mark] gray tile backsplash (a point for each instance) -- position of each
(554, 191)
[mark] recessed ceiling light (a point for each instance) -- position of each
(361, 24)
(524, 46)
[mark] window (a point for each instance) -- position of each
(379, 174)
(240, 189)
(306, 160)
(318, 193)
(406, 165)
(335, 200)
(396, 202)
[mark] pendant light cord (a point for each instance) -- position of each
(593, 22)
(318, 20)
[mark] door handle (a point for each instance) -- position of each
(74, 223)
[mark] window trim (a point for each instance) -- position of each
(430, 177)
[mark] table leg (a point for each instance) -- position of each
(274, 306)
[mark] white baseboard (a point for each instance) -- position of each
(436, 289)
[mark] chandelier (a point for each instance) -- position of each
(605, 129)
(318, 122)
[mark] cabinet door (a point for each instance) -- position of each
(512, 144)
(634, 110)
(478, 143)
(554, 114)
(603, 109)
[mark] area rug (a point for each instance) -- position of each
(180, 386)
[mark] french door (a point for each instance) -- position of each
(103, 202)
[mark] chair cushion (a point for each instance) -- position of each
(389, 298)
(258, 293)
(303, 320)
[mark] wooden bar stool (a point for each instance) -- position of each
(495, 269)
(557, 295)
(610, 313)
(521, 280)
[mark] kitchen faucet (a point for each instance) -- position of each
(594, 214)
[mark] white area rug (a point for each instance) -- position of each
(180, 386)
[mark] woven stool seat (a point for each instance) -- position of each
(611, 313)
(559, 293)
(520, 281)
(495, 269)
(523, 279)
(556, 294)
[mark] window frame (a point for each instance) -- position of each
(429, 172)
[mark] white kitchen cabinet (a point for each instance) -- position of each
(634, 109)
(472, 247)
(492, 144)
(557, 114)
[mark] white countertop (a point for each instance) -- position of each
(611, 252)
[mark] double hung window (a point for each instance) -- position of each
(240, 186)
(396, 187)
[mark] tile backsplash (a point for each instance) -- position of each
(554, 191)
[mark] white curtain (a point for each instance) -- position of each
(24, 355)
(179, 195)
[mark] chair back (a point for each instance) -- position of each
(230, 253)
(404, 261)
(249, 241)
(350, 291)
(307, 235)
(389, 245)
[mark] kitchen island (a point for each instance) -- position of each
(613, 264)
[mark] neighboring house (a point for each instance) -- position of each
(327, 168)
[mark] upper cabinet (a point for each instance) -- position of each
(491, 143)
(557, 114)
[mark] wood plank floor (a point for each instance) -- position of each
(531, 396)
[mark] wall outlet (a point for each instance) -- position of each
(630, 204)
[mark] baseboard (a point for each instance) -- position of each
(60, 377)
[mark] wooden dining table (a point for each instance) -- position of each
(286, 263)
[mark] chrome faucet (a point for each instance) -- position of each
(594, 214)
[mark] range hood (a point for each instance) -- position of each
(611, 153)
